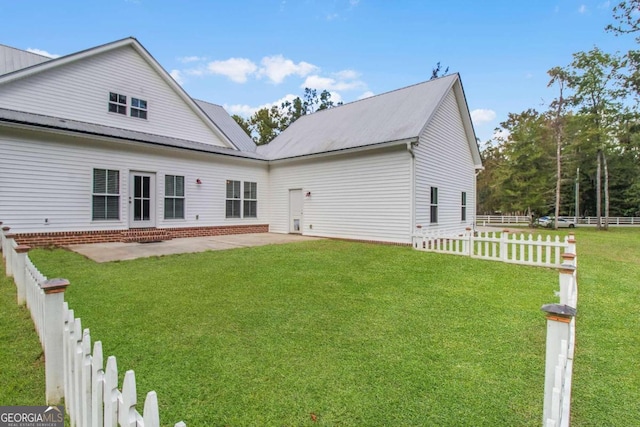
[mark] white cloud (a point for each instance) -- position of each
(329, 83)
(236, 69)
(177, 76)
(481, 116)
(277, 68)
(582, 8)
(366, 94)
(247, 110)
(187, 59)
(500, 134)
(42, 52)
(335, 97)
(347, 74)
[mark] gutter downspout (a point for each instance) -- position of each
(410, 146)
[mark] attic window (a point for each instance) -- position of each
(117, 103)
(138, 108)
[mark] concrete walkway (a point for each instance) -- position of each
(105, 252)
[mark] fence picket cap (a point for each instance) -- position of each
(85, 376)
(150, 414)
(97, 387)
(127, 414)
(111, 393)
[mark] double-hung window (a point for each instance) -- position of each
(242, 199)
(173, 197)
(233, 201)
(463, 213)
(250, 200)
(433, 212)
(106, 195)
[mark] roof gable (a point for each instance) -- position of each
(392, 116)
(82, 82)
(228, 126)
(12, 59)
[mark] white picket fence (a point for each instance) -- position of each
(525, 220)
(561, 338)
(72, 370)
(517, 248)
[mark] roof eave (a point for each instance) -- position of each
(98, 136)
(400, 142)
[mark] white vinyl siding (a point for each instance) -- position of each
(48, 176)
(85, 85)
(363, 196)
(443, 160)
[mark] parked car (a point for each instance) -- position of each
(548, 222)
(543, 221)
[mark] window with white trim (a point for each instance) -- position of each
(241, 200)
(233, 201)
(463, 213)
(433, 211)
(173, 197)
(138, 108)
(106, 195)
(250, 203)
(117, 103)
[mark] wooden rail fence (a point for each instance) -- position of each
(72, 369)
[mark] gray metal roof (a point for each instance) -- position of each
(392, 116)
(12, 59)
(227, 125)
(48, 122)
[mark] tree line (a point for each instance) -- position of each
(582, 155)
(267, 123)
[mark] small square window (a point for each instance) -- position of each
(117, 103)
(138, 108)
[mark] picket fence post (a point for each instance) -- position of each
(5, 230)
(19, 276)
(8, 251)
(559, 319)
(53, 336)
(566, 283)
(504, 245)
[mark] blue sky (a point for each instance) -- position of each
(244, 54)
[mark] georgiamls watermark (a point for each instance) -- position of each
(31, 416)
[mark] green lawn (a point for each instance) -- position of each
(358, 334)
(21, 357)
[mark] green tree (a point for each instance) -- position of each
(525, 176)
(593, 76)
(267, 123)
(559, 77)
(437, 71)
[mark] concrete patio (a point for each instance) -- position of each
(106, 252)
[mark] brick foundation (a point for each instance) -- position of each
(64, 238)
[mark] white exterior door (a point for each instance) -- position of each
(142, 200)
(295, 211)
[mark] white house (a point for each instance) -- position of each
(103, 145)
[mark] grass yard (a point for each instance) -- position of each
(356, 334)
(21, 358)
